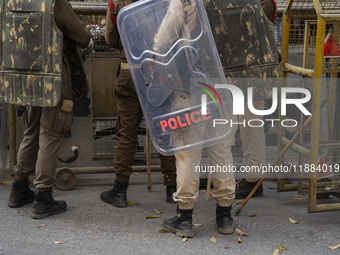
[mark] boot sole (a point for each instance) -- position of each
(180, 233)
(123, 204)
(14, 204)
(226, 231)
(37, 215)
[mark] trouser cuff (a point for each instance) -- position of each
(170, 179)
(185, 206)
(223, 202)
(122, 178)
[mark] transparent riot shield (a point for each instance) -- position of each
(175, 65)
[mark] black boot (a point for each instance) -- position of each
(169, 191)
(225, 224)
(243, 189)
(181, 225)
(116, 195)
(44, 205)
(20, 194)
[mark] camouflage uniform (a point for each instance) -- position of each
(46, 126)
(257, 66)
(129, 111)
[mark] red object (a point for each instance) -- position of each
(330, 48)
(112, 9)
(323, 170)
(275, 8)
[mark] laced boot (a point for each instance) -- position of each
(181, 224)
(169, 191)
(117, 195)
(44, 205)
(243, 189)
(225, 224)
(20, 194)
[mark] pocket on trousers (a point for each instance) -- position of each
(121, 85)
(62, 122)
(25, 118)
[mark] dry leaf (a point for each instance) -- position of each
(185, 239)
(163, 230)
(197, 225)
(226, 247)
(239, 232)
(57, 190)
(150, 217)
(254, 215)
(203, 191)
(277, 252)
(59, 242)
(334, 247)
(21, 211)
(132, 203)
(213, 239)
(293, 221)
(297, 198)
(162, 177)
(42, 225)
(238, 202)
(157, 211)
(282, 247)
(135, 173)
(239, 240)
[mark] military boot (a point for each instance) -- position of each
(181, 224)
(20, 194)
(169, 191)
(243, 189)
(44, 205)
(117, 195)
(225, 224)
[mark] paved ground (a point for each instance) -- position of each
(90, 226)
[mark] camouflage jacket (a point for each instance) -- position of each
(245, 41)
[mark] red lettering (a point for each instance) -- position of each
(193, 118)
(180, 122)
(174, 125)
(188, 119)
(164, 124)
(206, 116)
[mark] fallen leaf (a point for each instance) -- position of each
(135, 173)
(21, 211)
(213, 239)
(163, 230)
(226, 247)
(157, 211)
(197, 225)
(132, 203)
(150, 217)
(293, 221)
(42, 225)
(203, 191)
(162, 177)
(239, 240)
(297, 198)
(59, 242)
(238, 202)
(334, 247)
(277, 252)
(254, 215)
(57, 190)
(282, 247)
(185, 239)
(239, 232)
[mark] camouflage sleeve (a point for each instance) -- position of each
(111, 31)
(69, 24)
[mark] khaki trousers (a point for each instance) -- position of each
(188, 178)
(253, 141)
(127, 125)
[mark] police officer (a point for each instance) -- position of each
(128, 122)
(46, 127)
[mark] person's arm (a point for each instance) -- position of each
(69, 24)
(111, 31)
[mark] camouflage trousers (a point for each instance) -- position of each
(38, 151)
(127, 125)
(253, 141)
(188, 178)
